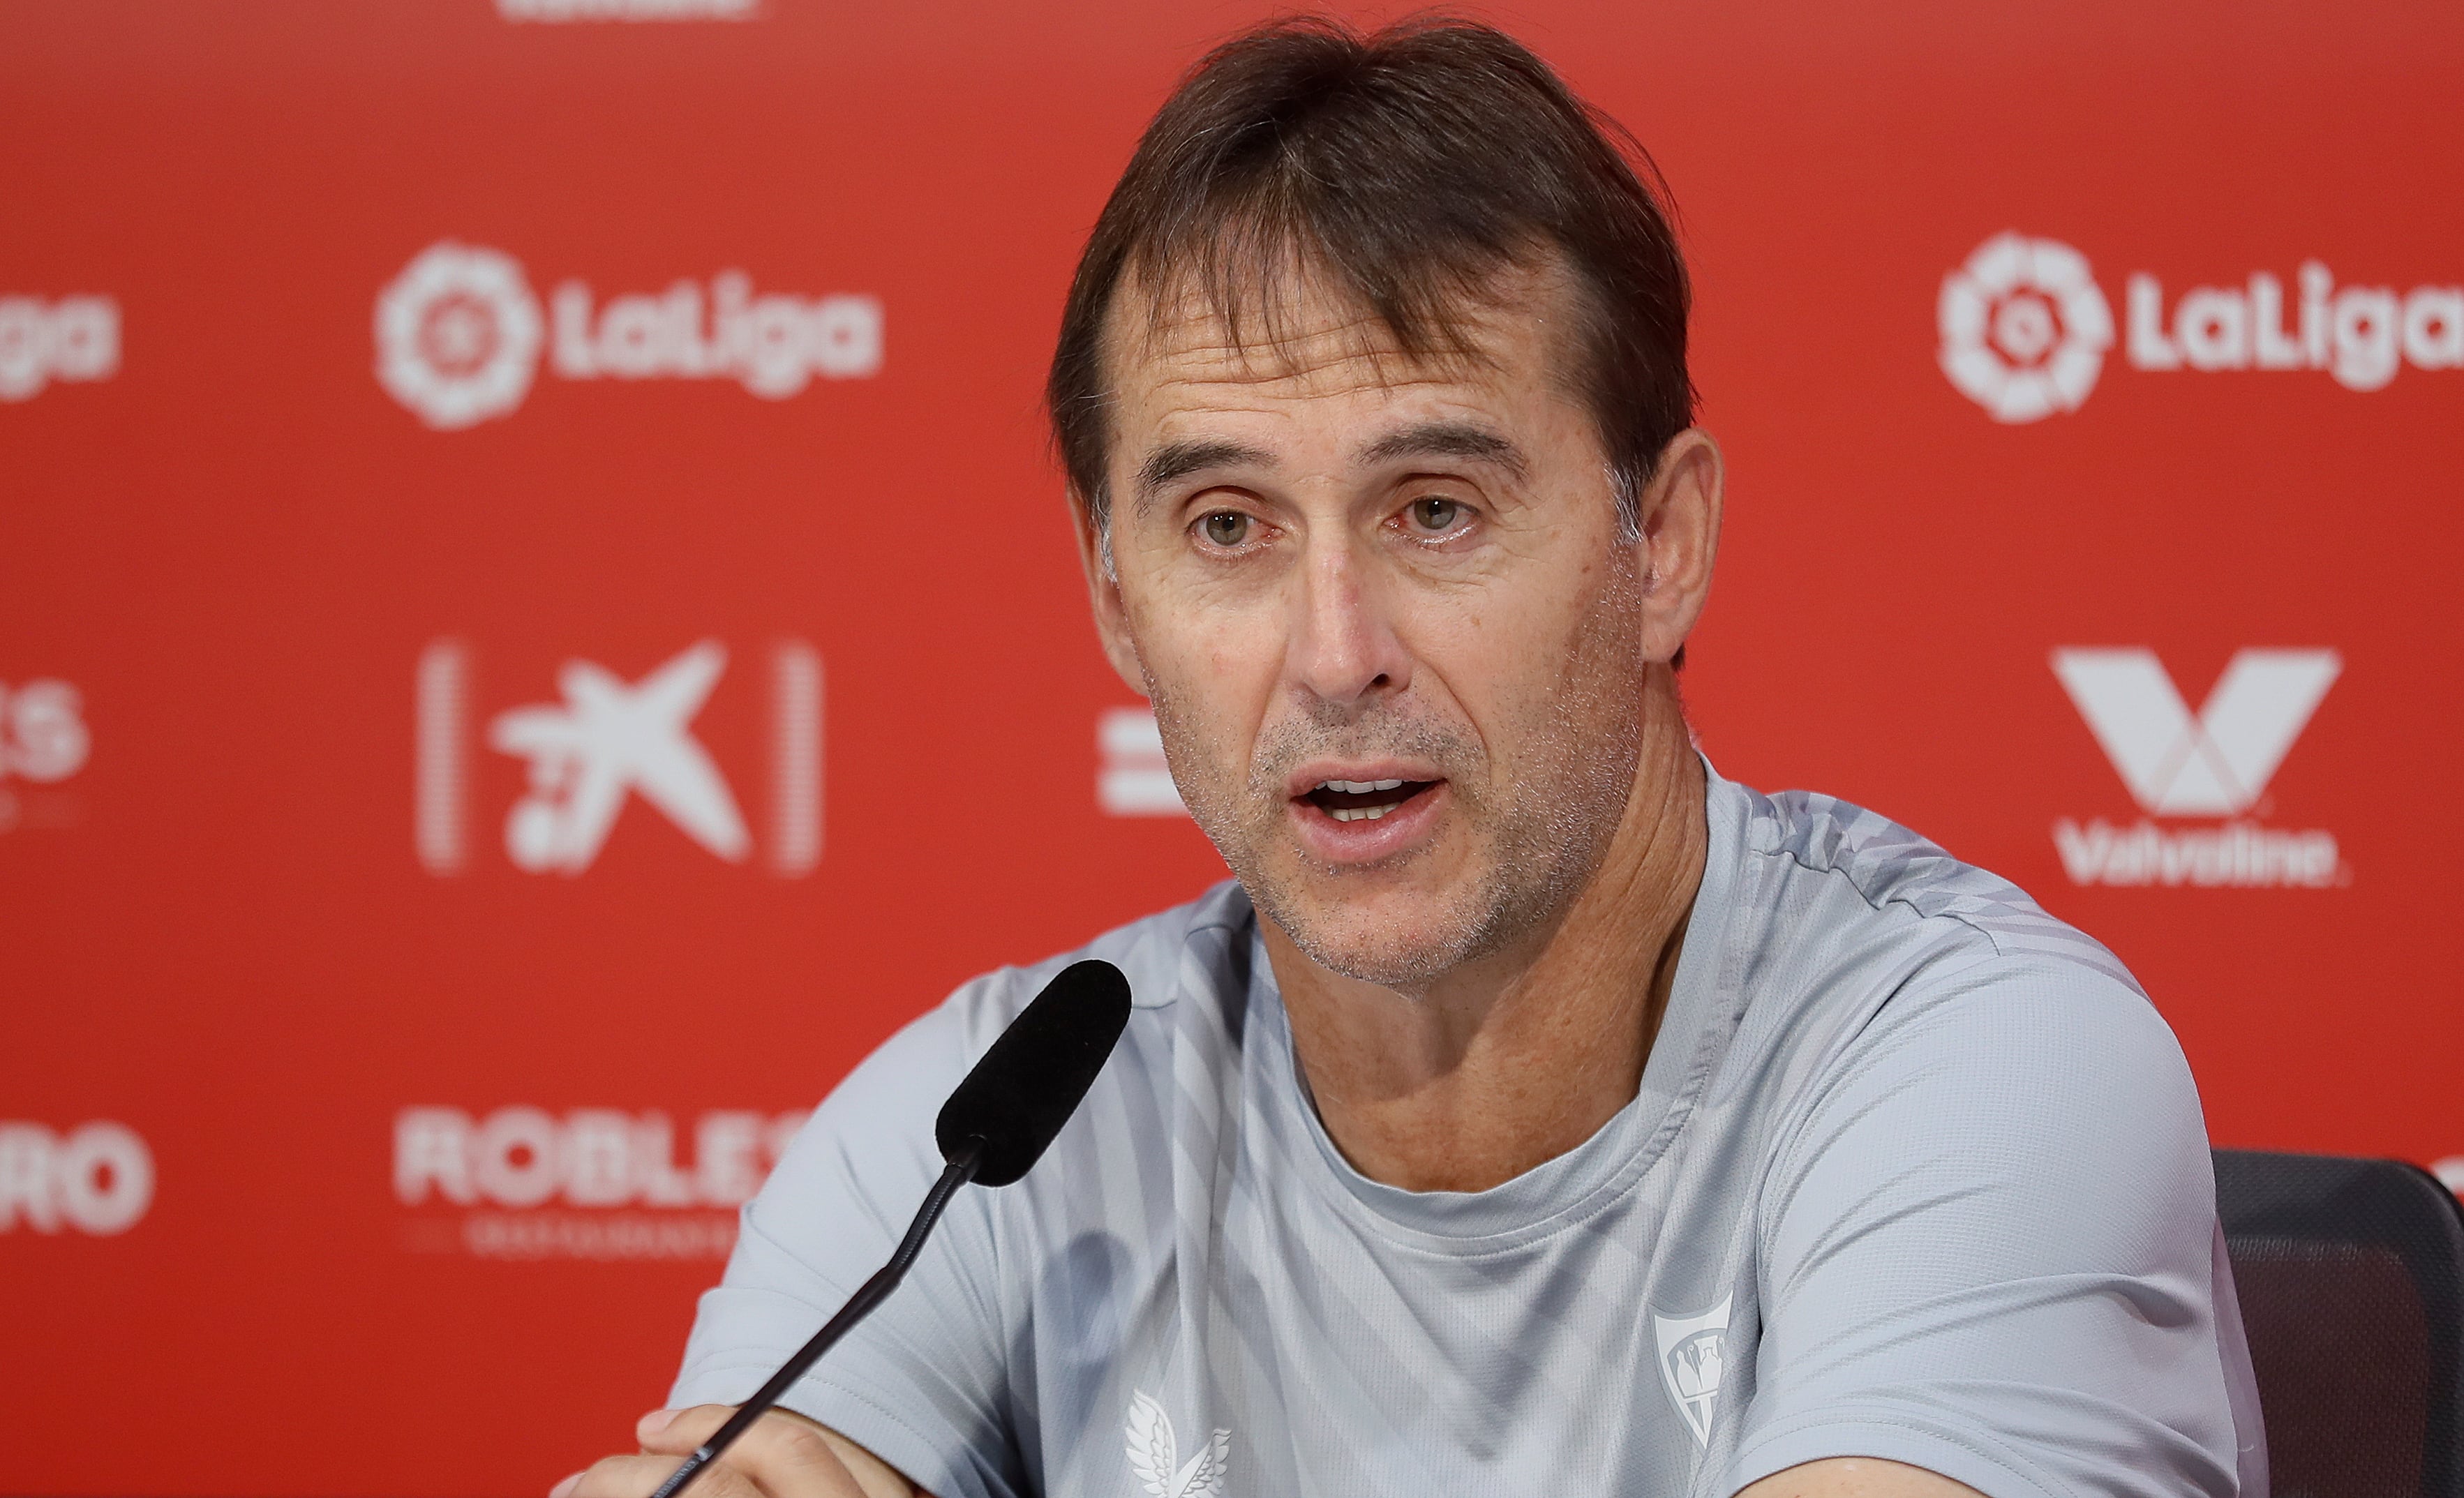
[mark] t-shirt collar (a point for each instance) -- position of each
(1572, 1185)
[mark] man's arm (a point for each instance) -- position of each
(1990, 1251)
(783, 1454)
(1858, 1477)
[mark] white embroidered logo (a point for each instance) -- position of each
(1691, 1350)
(1155, 1454)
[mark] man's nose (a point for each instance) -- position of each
(1345, 649)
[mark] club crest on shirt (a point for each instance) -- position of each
(1691, 1350)
(1155, 1454)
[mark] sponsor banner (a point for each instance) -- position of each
(607, 744)
(2025, 327)
(459, 335)
(437, 456)
(72, 340)
(44, 741)
(1130, 777)
(96, 1179)
(2215, 764)
(569, 10)
(588, 1183)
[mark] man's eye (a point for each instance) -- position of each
(1226, 528)
(1436, 515)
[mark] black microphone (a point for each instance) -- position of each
(991, 1131)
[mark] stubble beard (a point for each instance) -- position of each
(1538, 836)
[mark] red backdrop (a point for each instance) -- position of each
(370, 1103)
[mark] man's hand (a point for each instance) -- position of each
(783, 1456)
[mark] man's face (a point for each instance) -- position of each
(1392, 633)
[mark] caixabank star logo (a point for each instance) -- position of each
(606, 743)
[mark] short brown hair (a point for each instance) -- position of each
(1406, 164)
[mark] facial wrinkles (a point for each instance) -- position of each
(1577, 740)
(1244, 815)
(1538, 832)
(1308, 347)
(1585, 742)
(1540, 780)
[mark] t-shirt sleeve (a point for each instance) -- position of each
(1990, 1249)
(920, 1382)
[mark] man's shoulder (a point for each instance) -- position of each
(1906, 994)
(1853, 939)
(1853, 876)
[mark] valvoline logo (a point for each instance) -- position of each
(2217, 763)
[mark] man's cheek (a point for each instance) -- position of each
(1222, 662)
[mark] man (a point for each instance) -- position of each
(1537, 1112)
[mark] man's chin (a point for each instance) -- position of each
(1401, 941)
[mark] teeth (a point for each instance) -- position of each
(1358, 788)
(1362, 813)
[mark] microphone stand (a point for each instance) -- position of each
(960, 1170)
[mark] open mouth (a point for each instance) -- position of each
(1364, 801)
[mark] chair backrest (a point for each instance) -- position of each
(2351, 1279)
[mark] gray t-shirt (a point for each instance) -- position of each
(1915, 1171)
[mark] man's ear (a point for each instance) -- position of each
(1681, 537)
(1103, 595)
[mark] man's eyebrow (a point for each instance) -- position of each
(1447, 439)
(1177, 460)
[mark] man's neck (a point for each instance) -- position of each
(1517, 1060)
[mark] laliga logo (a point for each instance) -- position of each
(76, 338)
(2024, 328)
(459, 336)
(2216, 764)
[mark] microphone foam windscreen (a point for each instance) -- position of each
(1034, 1076)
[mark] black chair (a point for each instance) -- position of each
(2351, 1278)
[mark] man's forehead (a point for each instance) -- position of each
(1304, 332)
